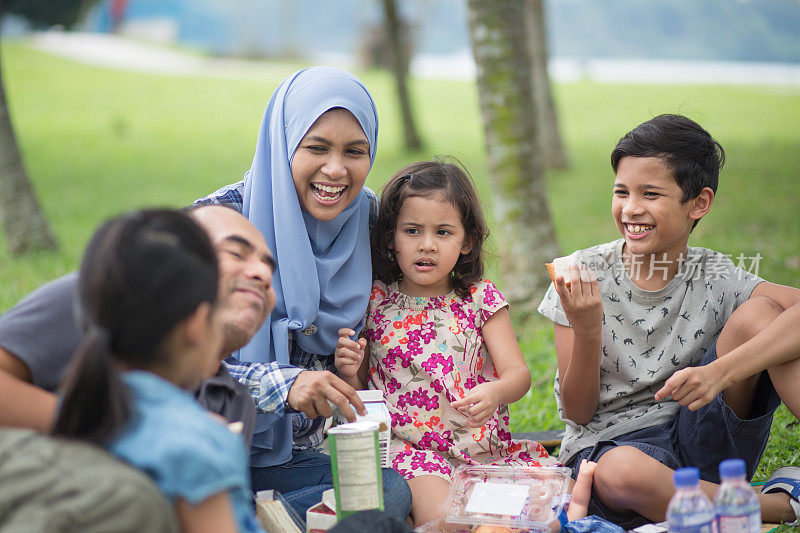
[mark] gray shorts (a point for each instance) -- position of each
(699, 438)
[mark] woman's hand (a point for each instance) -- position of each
(349, 353)
(581, 300)
(479, 404)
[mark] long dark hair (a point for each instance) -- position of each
(431, 179)
(141, 274)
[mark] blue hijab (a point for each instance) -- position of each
(324, 271)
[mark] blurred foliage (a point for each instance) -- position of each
(47, 13)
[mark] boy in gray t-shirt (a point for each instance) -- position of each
(647, 336)
(654, 368)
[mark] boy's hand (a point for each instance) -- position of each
(581, 300)
(479, 404)
(349, 353)
(693, 387)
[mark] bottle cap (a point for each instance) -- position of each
(686, 477)
(731, 468)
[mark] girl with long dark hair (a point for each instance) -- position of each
(147, 291)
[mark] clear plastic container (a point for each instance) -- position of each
(736, 503)
(689, 510)
(510, 496)
(440, 526)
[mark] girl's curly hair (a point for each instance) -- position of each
(431, 179)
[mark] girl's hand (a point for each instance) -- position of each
(349, 353)
(479, 404)
(581, 491)
(581, 300)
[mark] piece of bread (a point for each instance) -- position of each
(560, 265)
(274, 517)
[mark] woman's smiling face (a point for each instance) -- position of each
(330, 164)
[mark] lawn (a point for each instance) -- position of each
(97, 142)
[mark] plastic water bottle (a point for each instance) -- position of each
(736, 504)
(689, 510)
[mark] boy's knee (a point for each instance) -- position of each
(618, 473)
(748, 320)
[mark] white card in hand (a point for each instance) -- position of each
(497, 498)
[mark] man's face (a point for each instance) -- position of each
(246, 295)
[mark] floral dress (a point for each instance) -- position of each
(426, 353)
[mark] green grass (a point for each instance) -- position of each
(97, 142)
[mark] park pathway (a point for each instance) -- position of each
(124, 53)
(111, 51)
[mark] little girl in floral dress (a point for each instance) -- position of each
(438, 339)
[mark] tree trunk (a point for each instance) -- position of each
(526, 238)
(24, 225)
(400, 51)
(549, 133)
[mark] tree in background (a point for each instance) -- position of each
(24, 225)
(47, 13)
(400, 52)
(501, 36)
(549, 132)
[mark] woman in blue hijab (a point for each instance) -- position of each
(305, 192)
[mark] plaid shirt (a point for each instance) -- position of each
(269, 383)
(232, 195)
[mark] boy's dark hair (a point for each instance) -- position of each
(692, 154)
(431, 179)
(142, 274)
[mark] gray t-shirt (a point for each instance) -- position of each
(648, 335)
(42, 331)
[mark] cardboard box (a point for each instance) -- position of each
(377, 411)
(322, 517)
